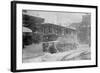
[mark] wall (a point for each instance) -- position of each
(5, 36)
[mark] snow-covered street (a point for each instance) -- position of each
(81, 53)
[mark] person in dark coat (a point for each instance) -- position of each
(52, 48)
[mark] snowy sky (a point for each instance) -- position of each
(59, 18)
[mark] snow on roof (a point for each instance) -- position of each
(71, 27)
(25, 29)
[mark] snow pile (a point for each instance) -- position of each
(62, 56)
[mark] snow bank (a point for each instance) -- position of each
(61, 56)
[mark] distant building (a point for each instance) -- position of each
(84, 29)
